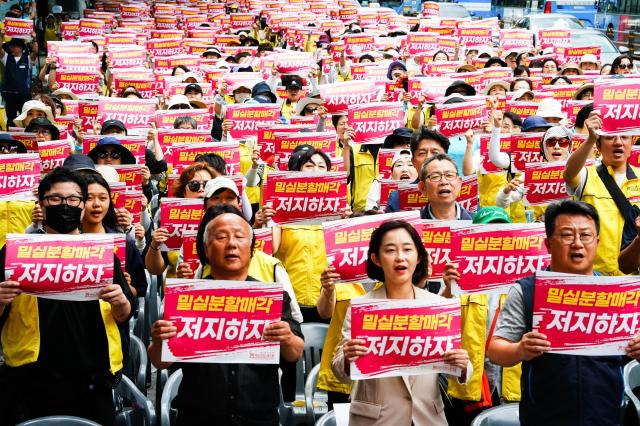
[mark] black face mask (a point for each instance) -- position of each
(63, 218)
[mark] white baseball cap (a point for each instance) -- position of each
(549, 107)
(218, 183)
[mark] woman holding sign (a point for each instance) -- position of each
(398, 259)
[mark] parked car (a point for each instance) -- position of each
(608, 50)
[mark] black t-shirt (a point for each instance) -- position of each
(73, 340)
(232, 394)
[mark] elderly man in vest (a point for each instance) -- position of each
(606, 187)
(560, 390)
(230, 394)
(62, 357)
(17, 61)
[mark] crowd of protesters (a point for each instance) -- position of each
(63, 357)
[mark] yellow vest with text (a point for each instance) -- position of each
(611, 220)
(303, 255)
(20, 335)
(15, 217)
(365, 170)
(474, 310)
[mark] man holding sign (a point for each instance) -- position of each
(560, 389)
(231, 393)
(62, 357)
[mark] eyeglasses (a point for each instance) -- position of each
(563, 142)
(437, 177)
(625, 66)
(195, 185)
(42, 132)
(105, 154)
(568, 238)
(55, 200)
(8, 149)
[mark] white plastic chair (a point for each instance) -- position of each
(328, 419)
(632, 381)
(59, 420)
(169, 392)
(502, 415)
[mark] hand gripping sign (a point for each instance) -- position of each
(347, 242)
(586, 314)
(305, 196)
(64, 267)
(18, 28)
(245, 118)
(455, 119)
(221, 321)
(404, 337)
(492, 257)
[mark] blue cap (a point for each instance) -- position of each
(535, 122)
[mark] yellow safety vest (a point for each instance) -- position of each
(253, 192)
(15, 217)
(474, 310)
(21, 333)
(425, 116)
(488, 187)
(612, 222)
(365, 170)
(288, 109)
(326, 379)
(303, 255)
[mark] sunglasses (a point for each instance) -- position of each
(105, 154)
(195, 185)
(563, 142)
(310, 110)
(625, 66)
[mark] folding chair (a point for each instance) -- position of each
(328, 419)
(132, 407)
(632, 381)
(136, 368)
(502, 415)
(169, 393)
(59, 420)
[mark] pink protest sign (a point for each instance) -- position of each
(619, 105)
(130, 175)
(245, 118)
(166, 118)
(347, 242)
(525, 148)
(309, 197)
(169, 137)
(554, 38)
(134, 113)
(338, 96)
(374, 121)
(586, 314)
(475, 36)
(544, 183)
(404, 337)
(286, 143)
(264, 240)
(221, 321)
(185, 155)
(189, 250)
(457, 118)
(53, 154)
(177, 216)
(19, 174)
(18, 28)
(64, 267)
(468, 198)
(492, 257)
(79, 82)
(515, 39)
(436, 238)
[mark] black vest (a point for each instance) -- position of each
(17, 75)
(568, 390)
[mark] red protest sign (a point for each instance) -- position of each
(165, 47)
(544, 183)
(421, 42)
(358, 44)
(127, 57)
(468, 198)
(166, 118)
(78, 62)
(554, 38)
(189, 250)
(525, 148)
(264, 240)
(347, 242)
(18, 28)
(385, 159)
(169, 137)
(58, 266)
(410, 197)
(185, 155)
(454, 119)
(300, 196)
(338, 96)
(19, 174)
(492, 257)
(177, 216)
(486, 166)
(79, 82)
(70, 30)
(430, 9)
(130, 175)
(586, 314)
(574, 54)
(241, 21)
(404, 337)
(387, 186)
(120, 241)
(134, 113)
(135, 144)
(133, 203)
(436, 238)
(287, 63)
(53, 154)
(286, 143)
(267, 138)
(118, 190)
(516, 39)
(475, 36)
(91, 27)
(619, 105)
(145, 86)
(221, 321)
(245, 118)
(522, 108)
(374, 121)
